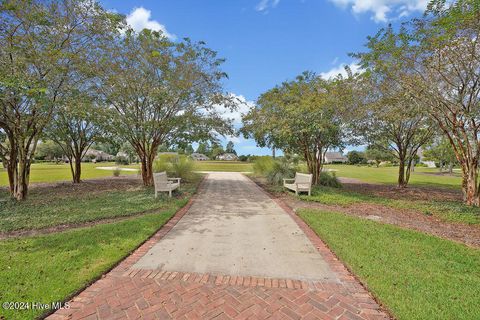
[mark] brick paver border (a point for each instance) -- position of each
(130, 293)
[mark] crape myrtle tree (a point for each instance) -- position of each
(78, 123)
(41, 42)
(390, 119)
(299, 116)
(161, 92)
(441, 54)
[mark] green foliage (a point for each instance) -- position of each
(378, 155)
(230, 148)
(356, 157)
(175, 166)
(304, 116)
(48, 150)
(179, 87)
(283, 168)
(203, 148)
(121, 160)
(116, 172)
(263, 165)
(329, 180)
(183, 168)
(417, 276)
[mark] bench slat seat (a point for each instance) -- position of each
(165, 184)
(301, 183)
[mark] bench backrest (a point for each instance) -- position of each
(160, 179)
(303, 178)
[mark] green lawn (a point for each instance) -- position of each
(417, 276)
(445, 210)
(388, 175)
(51, 172)
(52, 267)
(230, 166)
(38, 212)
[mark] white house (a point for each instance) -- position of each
(97, 155)
(227, 157)
(199, 157)
(335, 157)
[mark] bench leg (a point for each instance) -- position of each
(309, 192)
(296, 192)
(156, 194)
(170, 193)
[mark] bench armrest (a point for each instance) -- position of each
(291, 179)
(175, 179)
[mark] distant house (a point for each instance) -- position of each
(335, 157)
(227, 157)
(199, 157)
(97, 155)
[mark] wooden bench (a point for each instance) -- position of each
(301, 183)
(163, 183)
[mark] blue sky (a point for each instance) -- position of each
(266, 42)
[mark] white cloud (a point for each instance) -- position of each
(340, 69)
(140, 18)
(235, 139)
(264, 5)
(383, 10)
(244, 106)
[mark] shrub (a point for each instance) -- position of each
(177, 166)
(356, 157)
(329, 180)
(160, 165)
(116, 172)
(183, 168)
(263, 165)
(121, 160)
(281, 169)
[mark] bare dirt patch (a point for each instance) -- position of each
(410, 193)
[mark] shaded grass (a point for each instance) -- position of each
(51, 172)
(229, 166)
(446, 210)
(49, 209)
(388, 175)
(52, 267)
(417, 276)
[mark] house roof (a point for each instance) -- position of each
(335, 155)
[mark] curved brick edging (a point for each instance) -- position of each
(131, 293)
(351, 282)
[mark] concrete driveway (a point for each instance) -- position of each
(234, 228)
(233, 254)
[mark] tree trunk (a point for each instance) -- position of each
(21, 177)
(147, 169)
(450, 168)
(470, 185)
(401, 174)
(77, 172)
